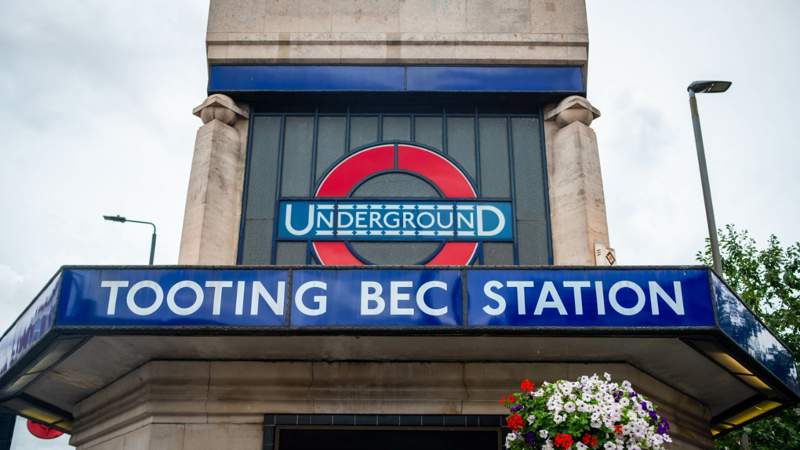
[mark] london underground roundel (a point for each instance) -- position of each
(43, 431)
(333, 217)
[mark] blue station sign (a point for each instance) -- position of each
(675, 301)
(386, 298)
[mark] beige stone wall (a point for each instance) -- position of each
(220, 404)
(213, 211)
(577, 203)
(398, 31)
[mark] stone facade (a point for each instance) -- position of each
(544, 32)
(214, 198)
(181, 405)
(221, 404)
(577, 204)
(407, 32)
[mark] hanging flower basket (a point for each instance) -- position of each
(590, 413)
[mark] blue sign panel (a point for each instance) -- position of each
(376, 298)
(377, 220)
(589, 298)
(494, 79)
(382, 298)
(751, 335)
(30, 327)
(163, 297)
(278, 78)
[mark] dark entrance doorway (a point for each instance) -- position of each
(387, 439)
(384, 432)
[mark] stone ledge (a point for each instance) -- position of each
(558, 39)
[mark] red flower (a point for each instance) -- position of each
(515, 421)
(527, 385)
(586, 439)
(506, 401)
(594, 442)
(618, 429)
(563, 440)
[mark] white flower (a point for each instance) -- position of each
(610, 445)
(569, 407)
(580, 446)
(543, 434)
(510, 437)
(607, 376)
(558, 418)
(531, 419)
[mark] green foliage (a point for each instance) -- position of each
(768, 280)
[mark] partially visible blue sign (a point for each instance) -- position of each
(751, 335)
(376, 220)
(30, 327)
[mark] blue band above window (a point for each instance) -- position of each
(479, 79)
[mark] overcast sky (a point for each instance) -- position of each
(96, 119)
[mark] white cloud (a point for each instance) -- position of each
(10, 282)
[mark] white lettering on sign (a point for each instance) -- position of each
(185, 310)
(373, 303)
(186, 297)
(321, 300)
(381, 220)
(549, 298)
(393, 298)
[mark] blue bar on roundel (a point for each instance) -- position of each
(378, 220)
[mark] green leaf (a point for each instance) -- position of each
(768, 281)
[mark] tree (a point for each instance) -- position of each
(767, 280)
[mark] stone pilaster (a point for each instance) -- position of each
(577, 204)
(214, 200)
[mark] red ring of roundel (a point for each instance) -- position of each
(435, 168)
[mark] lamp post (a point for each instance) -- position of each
(706, 87)
(121, 219)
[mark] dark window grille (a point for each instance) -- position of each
(502, 154)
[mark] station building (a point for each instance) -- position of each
(395, 213)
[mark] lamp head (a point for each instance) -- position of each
(709, 87)
(117, 218)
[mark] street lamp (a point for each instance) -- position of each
(121, 219)
(706, 87)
